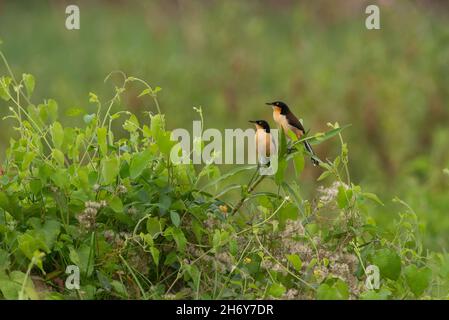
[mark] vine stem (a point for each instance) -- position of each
(232, 271)
(19, 117)
(250, 190)
(19, 91)
(237, 234)
(22, 289)
(152, 94)
(135, 278)
(266, 220)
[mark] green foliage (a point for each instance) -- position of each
(333, 289)
(108, 200)
(388, 262)
(418, 279)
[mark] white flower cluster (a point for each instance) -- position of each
(88, 217)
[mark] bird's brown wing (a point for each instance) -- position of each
(295, 123)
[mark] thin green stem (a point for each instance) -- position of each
(135, 277)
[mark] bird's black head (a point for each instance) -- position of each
(281, 106)
(261, 124)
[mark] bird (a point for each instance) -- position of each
(288, 122)
(265, 144)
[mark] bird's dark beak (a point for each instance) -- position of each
(269, 103)
(252, 121)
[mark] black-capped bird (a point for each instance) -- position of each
(265, 144)
(288, 121)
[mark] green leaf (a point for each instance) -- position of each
(288, 211)
(30, 242)
(157, 89)
(4, 260)
(20, 277)
(179, 238)
(36, 186)
(119, 288)
(334, 289)
(139, 162)
(382, 294)
(34, 114)
(51, 110)
(373, 197)
(83, 257)
(4, 88)
(4, 201)
(58, 156)
(102, 142)
(116, 204)
(61, 178)
(280, 173)
(418, 279)
(175, 219)
(194, 274)
(57, 134)
(147, 238)
(9, 289)
(164, 143)
(216, 239)
(295, 260)
(276, 290)
(320, 137)
(197, 229)
(144, 92)
(11, 286)
(73, 255)
(146, 131)
(27, 159)
(132, 124)
(155, 254)
(74, 112)
(50, 231)
(388, 262)
(104, 281)
(157, 125)
(299, 162)
(282, 144)
(324, 175)
(342, 197)
(109, 169)
(93, 98)
(170, 258)
(178, 205)
(29, 82)
(70, 136)
(155, 225)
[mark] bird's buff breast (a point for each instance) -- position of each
(263, 143)
(281, 120)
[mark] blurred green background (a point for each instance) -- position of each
(230, 57)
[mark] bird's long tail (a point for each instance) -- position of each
(310, 150)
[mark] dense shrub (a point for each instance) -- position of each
(140, 227)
